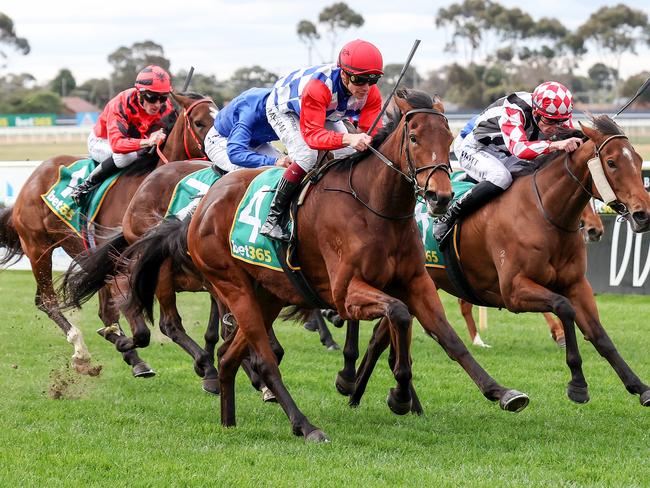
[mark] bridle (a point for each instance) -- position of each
(411, 177)
(595, 164)
(187, 129)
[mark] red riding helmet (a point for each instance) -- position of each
(552, 100)
(154, 79)
(361, 57)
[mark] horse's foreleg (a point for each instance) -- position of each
(555, 327)
(40, 257)
(582, 298)
(527, 296)
(425, 303)
(113, 333)
(345, 378)
(379, 342)
(466, 311)
(364, 301)
(324, 333)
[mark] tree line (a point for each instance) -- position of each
(497, 49)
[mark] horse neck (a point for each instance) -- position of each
(562, 196)
(174, 149)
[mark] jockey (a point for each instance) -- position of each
(306, 109)
(241, 134)
(131, 121)
(504, 140)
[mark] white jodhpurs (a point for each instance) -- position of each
(484, 163)
(216, 150)
(100, 150)
(287, 127)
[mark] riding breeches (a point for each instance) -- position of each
(100, 150)
(485, 163)
(287, 127)
(216, 150)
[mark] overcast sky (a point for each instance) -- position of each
(217, 36)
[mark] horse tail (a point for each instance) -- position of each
(9, 238)
(89, 272)
(147, 255)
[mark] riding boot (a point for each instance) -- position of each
(272, 228)
(468, 203)
(100, 173)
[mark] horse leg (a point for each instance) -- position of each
(528, 296)
(466, 311)
(364, 301)
(555, 327)
(582, 298)
(345, 378)
(379, 342)
(112, 332)
(416, 406)
(425, 303)
(171, 325)
(40, 257)
(324, 333)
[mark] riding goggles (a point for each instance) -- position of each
(150, 97)
(360, 80)
(553, 121)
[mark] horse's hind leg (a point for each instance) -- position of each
(379, 342)
(112, 332)
(345, 378)
(324, 333)
(582, 298)
(556, 329)
(466, 311)
(40, 257)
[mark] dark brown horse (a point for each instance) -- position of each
(592, 229)
(524, 252)
(32, 229)
(369, 201)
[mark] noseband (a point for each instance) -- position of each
(187, 129)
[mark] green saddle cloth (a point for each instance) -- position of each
(57, 198)
(189, 191)
(434, 258)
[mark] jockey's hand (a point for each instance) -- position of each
(360, 142)
(156, 137)
(284, 161)
(568, 145)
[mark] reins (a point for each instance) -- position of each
(411, 177)
(187, 129)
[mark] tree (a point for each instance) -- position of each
(208, 86)
(602, 76)
(249, 77)
(40, 101)
(8, 37)
(63, 83)
(338, 18)
(391, 74)
(632, 84)
(308, 35)
(128, 61)
(96, 90)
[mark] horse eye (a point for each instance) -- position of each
(412, 139)
(611, 163)
(200, 125)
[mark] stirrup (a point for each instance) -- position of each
(276, 232)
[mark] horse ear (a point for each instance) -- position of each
(182, 100)
(592, 134)
(402, 104)
(437, 104)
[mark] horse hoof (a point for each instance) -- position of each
(561, 342)
(578, 394)
(210, 385)
(311, 326)
(316, 435)
(268, 396)
(143, 370)
(333, 347)
(514, 401)
(397, 407)
(343, 386)
(645, 398)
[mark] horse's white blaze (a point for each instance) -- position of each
(627, 153)
(433, 156)
(75, 338)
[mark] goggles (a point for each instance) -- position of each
(360, 80)
(548, 121)
(151, 97)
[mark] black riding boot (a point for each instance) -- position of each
(272, 228)
(470, 201)
(100, 173)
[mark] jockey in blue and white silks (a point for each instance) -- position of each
(241, 134)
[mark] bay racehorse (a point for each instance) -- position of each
(523, 251)
(30, 227)
(360, 211)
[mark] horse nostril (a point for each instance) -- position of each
(641, 217)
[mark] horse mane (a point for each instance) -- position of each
(606, 125)
(415, 98)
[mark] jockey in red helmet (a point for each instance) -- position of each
(131, 121)
(504, 140)
(306, 109)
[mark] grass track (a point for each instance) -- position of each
(164, 431)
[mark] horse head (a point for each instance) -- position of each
(426, 141)
(194, 121)
(591, 224)
(616, 173)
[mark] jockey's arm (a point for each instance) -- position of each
(370, 111)
(239, 143)
(514, 135)
(315, 99)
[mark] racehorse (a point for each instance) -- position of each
(32, 229)
(370, 199)
(592, 229)
(523, 250)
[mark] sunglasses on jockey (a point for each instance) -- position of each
(360, 80)
(151, 97)
(548, 121)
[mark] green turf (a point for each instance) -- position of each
(115, 430)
